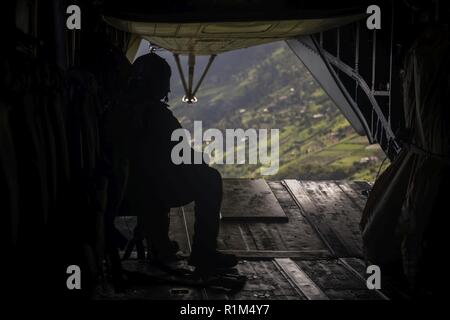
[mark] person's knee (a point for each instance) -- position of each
(213, 177)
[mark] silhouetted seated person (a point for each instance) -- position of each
(155, 183)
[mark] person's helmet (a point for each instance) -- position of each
(151, 74)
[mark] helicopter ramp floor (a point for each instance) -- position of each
(295, 240)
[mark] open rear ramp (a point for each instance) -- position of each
(313, 254)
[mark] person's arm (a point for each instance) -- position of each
(170, 124)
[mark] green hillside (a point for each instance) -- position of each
(268, 87)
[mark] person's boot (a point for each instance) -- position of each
(167, 256)
(212, 261)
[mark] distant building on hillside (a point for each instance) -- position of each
(318, 116)
(366, 160)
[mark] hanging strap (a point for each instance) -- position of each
(190, 93)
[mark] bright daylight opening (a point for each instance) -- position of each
(267, 87)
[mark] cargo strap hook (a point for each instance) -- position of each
(189, 92)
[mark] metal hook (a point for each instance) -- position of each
(189, 96)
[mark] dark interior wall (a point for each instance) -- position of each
(55, 85)
(411, 19)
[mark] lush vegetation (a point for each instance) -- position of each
(268, 87)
